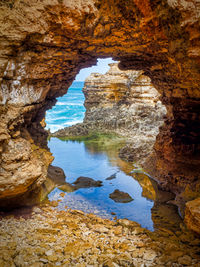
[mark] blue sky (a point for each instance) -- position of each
(101, 67)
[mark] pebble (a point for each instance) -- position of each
(185, 260)
(72, 238)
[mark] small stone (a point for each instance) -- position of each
(137, 231)
(49, 252)
(62, 194)
(43, 260)
(36, 210)
(185, 260)
(52, 258)
(100, 228)
(54, 203)
(118, 230)
(149, 255)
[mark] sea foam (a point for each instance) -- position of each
(69, 109)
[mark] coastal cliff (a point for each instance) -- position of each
(127, 104)
(121, 102)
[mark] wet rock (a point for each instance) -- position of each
(76, 130)
(113, 176)
(62, 194)
(67, 187)
(120, 196)
(56, 174)
(86, 182)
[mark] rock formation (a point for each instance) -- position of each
(123, 102)
(120, 196)
(192, 215)
(43, 45)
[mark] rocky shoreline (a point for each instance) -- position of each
(49, 237)
(124, 103)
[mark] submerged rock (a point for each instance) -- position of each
(86, 182)
(67, 187)
(120, 196)
(111, 177)
(81, 182)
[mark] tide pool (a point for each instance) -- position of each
(79, 158)
(98, 159)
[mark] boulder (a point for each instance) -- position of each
(86, 182)
(120, 196)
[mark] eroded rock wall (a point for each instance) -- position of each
(122, 102)
(43, 45)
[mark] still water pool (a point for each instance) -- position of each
(97, 158)
(79, 158)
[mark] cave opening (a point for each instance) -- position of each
(69, 109)
(86, 152)
(44, 44)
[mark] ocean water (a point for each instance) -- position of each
(68, 110)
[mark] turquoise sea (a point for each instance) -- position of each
(68, 110)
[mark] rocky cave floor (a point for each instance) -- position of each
(49, 237)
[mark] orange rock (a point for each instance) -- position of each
(192, 215)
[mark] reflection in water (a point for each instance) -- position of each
(98, 159)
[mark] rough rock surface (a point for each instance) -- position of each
(45, 43)
(192, 215)
(86, 182)
(71, 238)
(124, 102)
(120, 196)
(56, 174)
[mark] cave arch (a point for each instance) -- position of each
(44, 45)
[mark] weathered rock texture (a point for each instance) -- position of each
(124, 102)
(192, 215)
(45, 43)
(72, 238)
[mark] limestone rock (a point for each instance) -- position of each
(192, 215)
(72, 238)
(86, 182)
(124, 102)
(111, 177)
(120, 196)
(56, 174)
(44, 44)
